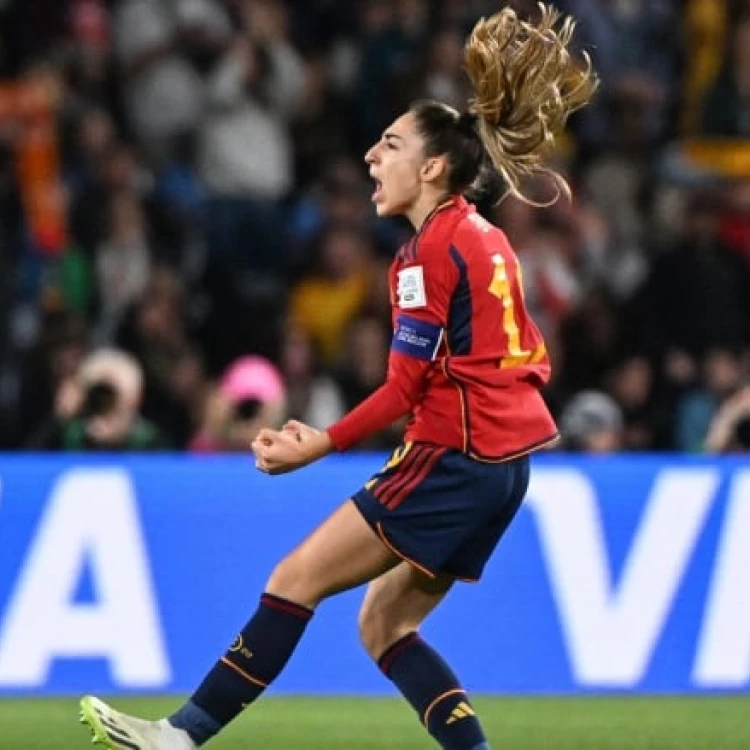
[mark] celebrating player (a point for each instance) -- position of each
(466, 362)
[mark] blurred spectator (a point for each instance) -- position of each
(592, 423)
(164, 92)
(730, 428)
(313, 396)
(51, 365)
(705, 40)
(249, 397)
(636, 51)
(696, 295)
(122, 264)
(611, 226)
(552, 284)
(392, 35)
(321, 131)
(214, 204)
(591, 339)
(444, 77)
(342, 197)
(645, 418)
(177, 400)
(722, 374)
(245, 154)
(734, 227)
(325, 304)
(726, 111)
(90, 79)
(98, 409)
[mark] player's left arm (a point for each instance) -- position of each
(423, 299)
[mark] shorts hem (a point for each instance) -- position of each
(418, 566)
(360, 503)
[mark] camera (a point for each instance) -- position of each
(100, 398)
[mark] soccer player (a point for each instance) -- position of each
(466, 362)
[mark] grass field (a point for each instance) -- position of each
(362, 724)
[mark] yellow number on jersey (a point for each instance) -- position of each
(500, 288)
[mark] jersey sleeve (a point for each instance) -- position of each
(421, 299)
(424, 286)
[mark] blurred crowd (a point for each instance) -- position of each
(188, 250)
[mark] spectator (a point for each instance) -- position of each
(721, 377)
(696, 294)
(51, 366)
(730, 428)
(324, 305)
(592, 423)
(249, 397)
(163, 94)
(727, 106)
(99, 409)
(122, 264)
(213, 189)
(645, 419)
(245, 154)
(313, 396)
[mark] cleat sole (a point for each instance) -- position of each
(90, 718)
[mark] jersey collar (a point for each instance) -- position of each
(452, 201)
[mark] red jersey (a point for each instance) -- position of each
(467, 361)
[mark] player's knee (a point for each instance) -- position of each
(291, 580)
(378, 630)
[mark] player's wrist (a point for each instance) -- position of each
(317, 446)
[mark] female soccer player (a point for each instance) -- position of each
(466, 362)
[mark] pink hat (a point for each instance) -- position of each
(252, 377)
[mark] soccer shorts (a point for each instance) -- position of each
(441, 510)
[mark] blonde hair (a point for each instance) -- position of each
(526, 84)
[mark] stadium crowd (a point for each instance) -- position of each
(188, 249)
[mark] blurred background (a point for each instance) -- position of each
(188, 250)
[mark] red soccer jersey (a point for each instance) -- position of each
(467, 361)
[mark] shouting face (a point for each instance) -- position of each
(397, 165)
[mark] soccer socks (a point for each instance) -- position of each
(253, 661)
(428, 683)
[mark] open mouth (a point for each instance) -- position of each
(378, 192)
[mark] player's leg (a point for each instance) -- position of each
(394, 607)
(342, 553)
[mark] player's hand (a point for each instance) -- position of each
(300, 430)
(279, 452)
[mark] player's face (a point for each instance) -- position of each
(396, 162)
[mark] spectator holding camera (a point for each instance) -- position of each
(98, 409)
(249, 397)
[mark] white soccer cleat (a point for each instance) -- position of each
(118, 731)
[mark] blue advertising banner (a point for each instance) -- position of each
(133, 574)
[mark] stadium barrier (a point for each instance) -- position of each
(132, 574)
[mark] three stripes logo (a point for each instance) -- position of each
(462, 711)
(117, 734)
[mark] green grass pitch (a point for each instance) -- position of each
(721, 723)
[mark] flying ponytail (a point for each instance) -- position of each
(526, 84)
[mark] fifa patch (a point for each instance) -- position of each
(410, 288)
(416, 338)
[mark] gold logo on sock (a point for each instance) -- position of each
(462, 711)
(238, 647)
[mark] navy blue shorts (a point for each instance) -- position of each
(442, 511)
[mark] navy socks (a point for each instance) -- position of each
(432, 689)
(253, 661)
